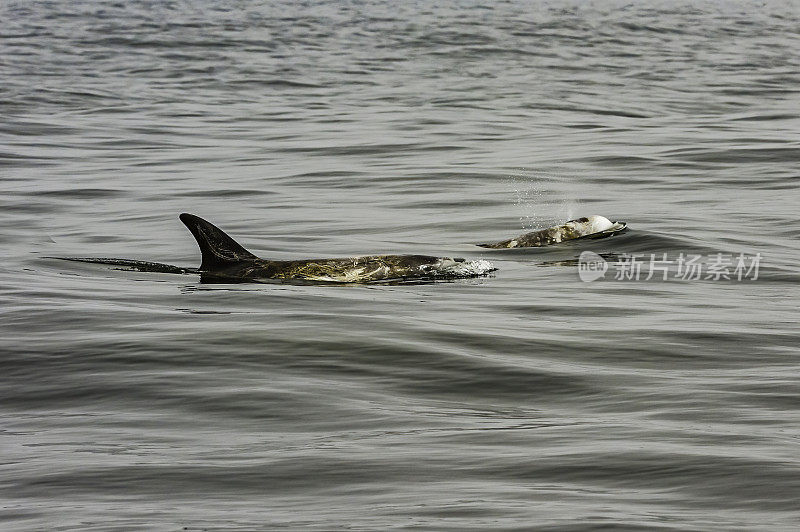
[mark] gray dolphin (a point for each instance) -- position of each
(225, 260)
(587, 227)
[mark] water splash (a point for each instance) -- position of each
(472, 268)
(544, 197)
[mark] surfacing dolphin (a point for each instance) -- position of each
(591, 227)
(225, 260)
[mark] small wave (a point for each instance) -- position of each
(472, 268)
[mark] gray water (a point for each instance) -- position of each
(525, 400)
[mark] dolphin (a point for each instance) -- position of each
(225, 260)
(586, 227)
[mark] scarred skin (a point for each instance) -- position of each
(553, 235)
(344, 270)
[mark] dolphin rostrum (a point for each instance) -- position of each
(225, 260)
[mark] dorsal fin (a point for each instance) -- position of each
(218, 249)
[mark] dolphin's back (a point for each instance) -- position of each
(360, 269)
(219, 251)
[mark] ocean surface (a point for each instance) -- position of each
(528, 399)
